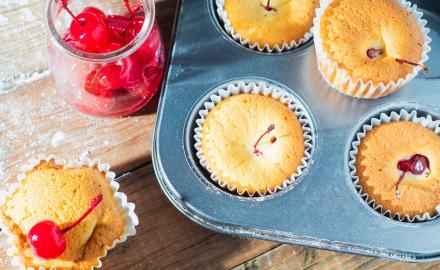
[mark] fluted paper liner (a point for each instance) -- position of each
(131, 218)
(258, 88)
(393, 116)
(256, 46)
(339, 78)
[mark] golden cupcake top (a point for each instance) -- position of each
(252, 142)
(52, 193)
(274, 22)
(398, 165)
(375, 40)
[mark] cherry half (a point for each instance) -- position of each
(269, 130)
(374, 53)
(47, 239)
(417, 165)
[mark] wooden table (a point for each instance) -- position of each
(34, 120)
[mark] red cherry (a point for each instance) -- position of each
(102, 82)
(97, 12)
(417, 165)
(90, 32)
(47, 239)
(149, 49)
(109, 47)
(374, 53)
(118, 24)
(133, 28)
(132, 70)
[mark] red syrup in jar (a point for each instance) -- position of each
(123, 86)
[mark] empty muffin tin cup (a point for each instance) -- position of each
(393, 116)
(257, 88)
(131, 219)
(266, 47)
(339, 79)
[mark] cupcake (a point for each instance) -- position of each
(253, 143)
(266, 25)
(397, 166)
(64, 217)
(369, 49)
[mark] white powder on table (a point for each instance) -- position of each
(58, 139)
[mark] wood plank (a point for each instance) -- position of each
(295, 257)
(166, 239)
(31, 118)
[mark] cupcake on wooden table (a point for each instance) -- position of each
(65, 217)
(369, 49)
(398, 167)
(268, 25)
(253, 144)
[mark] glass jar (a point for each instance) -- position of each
(114, 83)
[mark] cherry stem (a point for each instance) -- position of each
(137, 7)
(93, 204)
(403, 61)
(95, 77)
(268, 7)
(397, 193)
(130, 10)
(63, 5)
(269, 129)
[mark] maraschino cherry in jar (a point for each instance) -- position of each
(106, 56)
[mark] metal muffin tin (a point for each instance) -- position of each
(323, 210)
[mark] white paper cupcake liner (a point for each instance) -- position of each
(339, 79)
(258, 88)
(393, 116)
(256, 46)
(131, 218)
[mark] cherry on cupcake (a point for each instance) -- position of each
(267, 7)
(47, 239)
(258, 152)
(375, 53)
(417, 165)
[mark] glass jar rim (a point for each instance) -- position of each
(125, 51)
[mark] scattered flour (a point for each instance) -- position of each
(2, 168)
(27, 15)
(3, 20)
(58, 139)
(84, 154)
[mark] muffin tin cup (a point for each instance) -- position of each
(339, 78)
(277, 48)
(131, 218)
(258, 88)
(393, 116)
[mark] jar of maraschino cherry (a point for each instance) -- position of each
(106, 56)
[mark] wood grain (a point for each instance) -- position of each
(167, 240)
(294, 257)
(31, 116)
